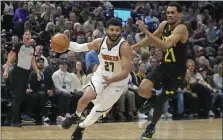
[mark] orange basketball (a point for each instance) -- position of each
(60, 43)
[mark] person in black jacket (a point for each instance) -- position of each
(43, 88)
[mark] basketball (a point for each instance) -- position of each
(60, 43)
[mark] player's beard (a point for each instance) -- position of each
(114, 38)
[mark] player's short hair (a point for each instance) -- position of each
(114, 22)
(177, 5)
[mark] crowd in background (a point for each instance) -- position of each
(82, 22)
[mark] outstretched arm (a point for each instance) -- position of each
(76, 47)
(170, 41)
(146, 41)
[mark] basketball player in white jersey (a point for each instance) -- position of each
(109, 81)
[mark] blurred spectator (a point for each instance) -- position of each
(43, 88)
(90, 58)
(89, 25)
(70, 61)
(53, 64)
(63, 89)
(99, 32)
(39, 54)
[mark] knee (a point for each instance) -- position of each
(144, 89)
(85, 100)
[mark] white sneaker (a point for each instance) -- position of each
(168, 115)
(211, 114)
(45, 119)
(162, 117)
(60, 118)
(142, 116)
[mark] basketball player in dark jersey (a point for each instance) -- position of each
(171, 36)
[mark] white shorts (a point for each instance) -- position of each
(106, 97)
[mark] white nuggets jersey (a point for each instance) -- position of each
(110, 61)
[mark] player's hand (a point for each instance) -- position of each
(141, 25)
(107, 81)
(38, 76)
(5, 74)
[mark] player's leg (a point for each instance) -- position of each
(83, 102)
(153, 80)
(103, 104)
(158, 111)
(170, 85)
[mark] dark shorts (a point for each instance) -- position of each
(167, 77)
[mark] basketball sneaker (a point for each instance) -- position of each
(150, 130)
(78, 133)
(148, 104)
(67, 123)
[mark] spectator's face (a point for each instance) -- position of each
(159, 55)
(71, 57)
(62, 20)
(114, 32)
(80, 39)
(130, 21)
(25, 7)
(39, 51)
(142, 68)
(40, 64)
(100, 25)
(204, 74)
(46, 18)
(33, 43)
(130, 40)
(152, 51)
(79, 28)
(190, 11)
(63, 67)
(15, 39)
(127, 29)
(136, 61)
(172, 14)
(59, 10)
(73, 17)
(68, 25)
(51, 27)
(190, 66)
(95, 67)
(53, 60)
(154, 63)
(33, 11)
(31, 18)
(200, 51)
(79, 66)
(48, 9)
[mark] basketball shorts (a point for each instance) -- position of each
(106, 97)
(168, 78)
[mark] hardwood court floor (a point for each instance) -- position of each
(178, 130)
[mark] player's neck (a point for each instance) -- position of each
(111, 44)
(171, 26)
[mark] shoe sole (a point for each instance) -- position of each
(145, 138)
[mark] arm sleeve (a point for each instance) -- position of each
(75, 47)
